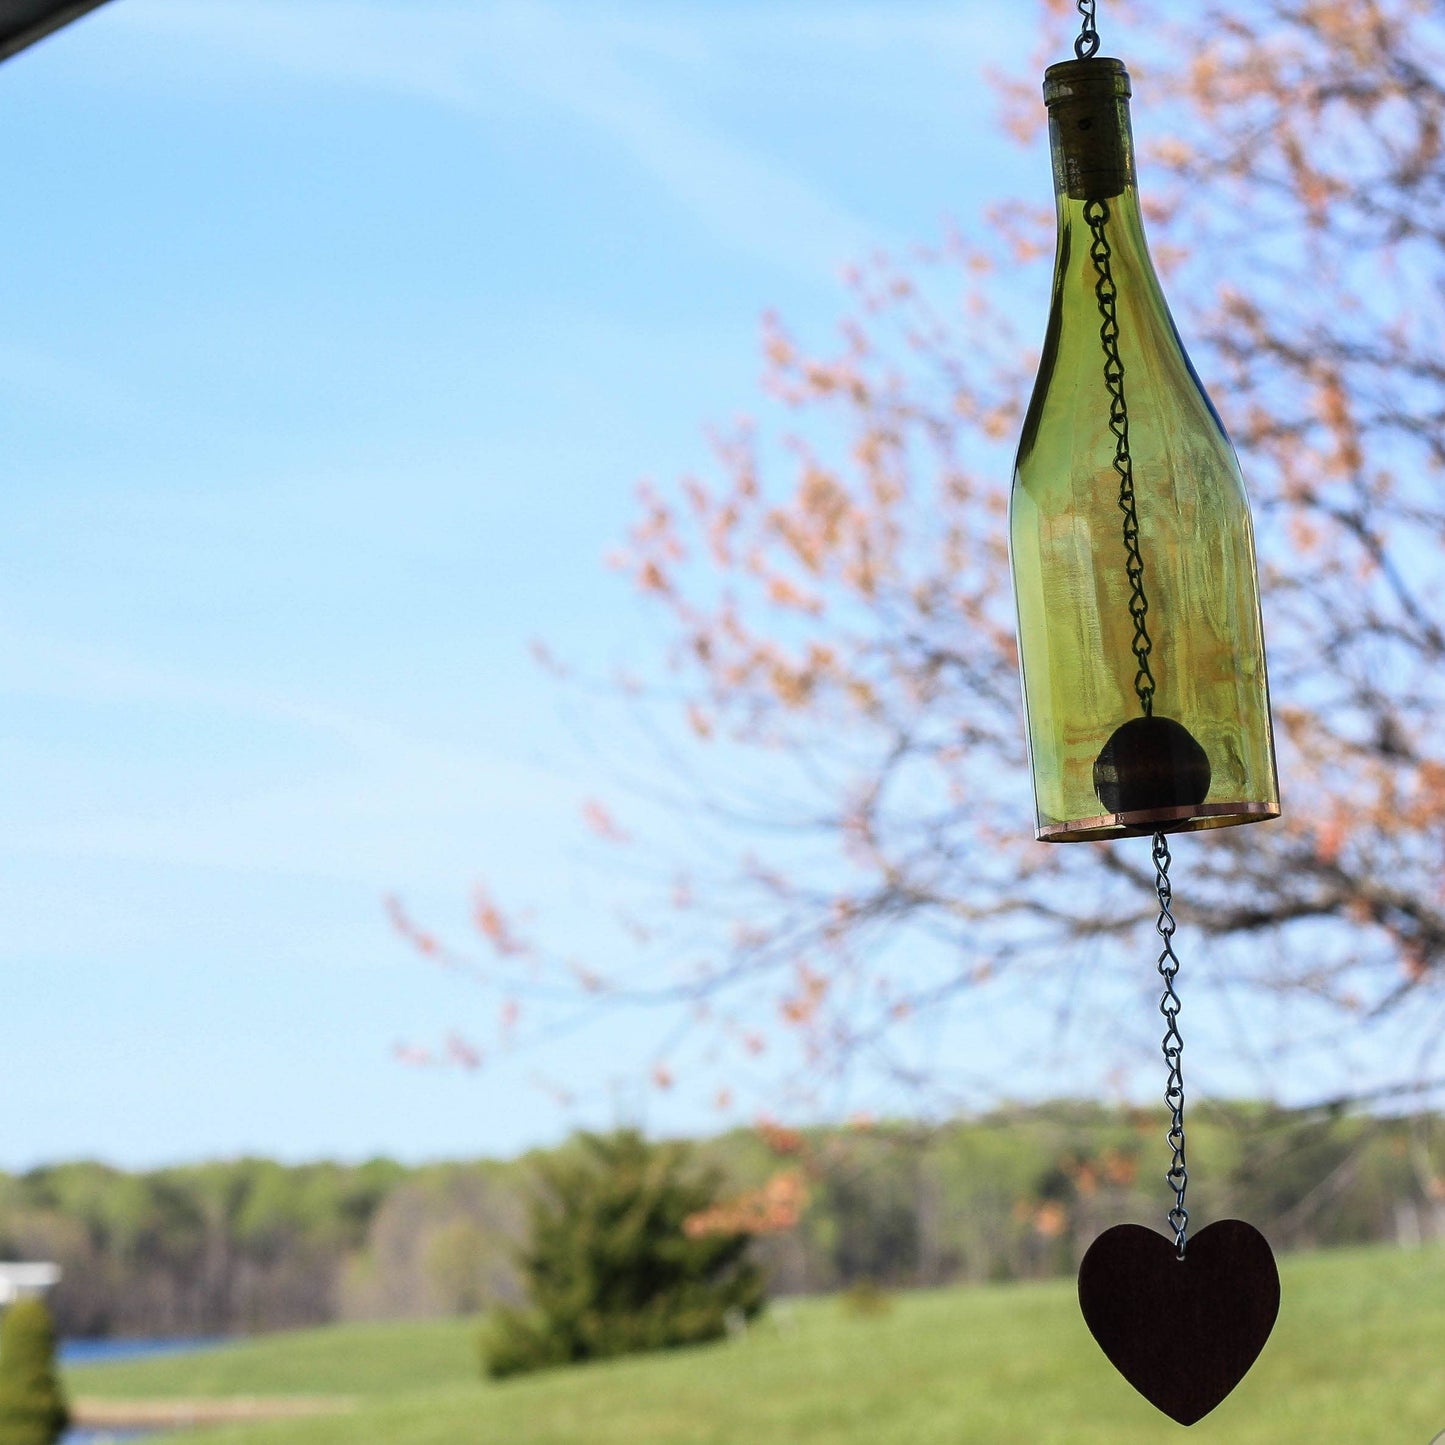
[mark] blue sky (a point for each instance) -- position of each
(337, 337)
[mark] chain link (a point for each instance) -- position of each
(1087, 45)
(1173, 1046)
(1096, 214)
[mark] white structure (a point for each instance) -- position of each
(23, 1281)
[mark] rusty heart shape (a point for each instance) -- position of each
(1183, 1332)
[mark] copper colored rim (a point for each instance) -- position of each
(1156, 820)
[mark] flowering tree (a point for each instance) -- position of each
(839, 717)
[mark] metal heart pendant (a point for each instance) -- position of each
(1183, 1332)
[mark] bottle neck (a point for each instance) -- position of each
(1095, 184)
(1099, 238)
(1102, 251)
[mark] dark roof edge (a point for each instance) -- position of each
(22, 24)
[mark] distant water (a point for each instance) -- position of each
(100, 1352)
(95, 1352)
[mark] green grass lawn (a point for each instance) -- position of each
(353, 1360)
(1358, 1356)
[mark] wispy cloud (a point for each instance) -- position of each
(38, 668)
(377, 804)
(600, 69)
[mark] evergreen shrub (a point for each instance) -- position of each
(32, 1405)
(612, 1269)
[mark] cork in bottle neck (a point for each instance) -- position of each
(1093, 148)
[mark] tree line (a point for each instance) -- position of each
(249, 1245)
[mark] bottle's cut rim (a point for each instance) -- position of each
(1156, 820)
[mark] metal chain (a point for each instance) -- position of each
(1096, 213)
(1087, 45)
(1173, 1047)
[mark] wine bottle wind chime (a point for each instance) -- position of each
(1142, 655)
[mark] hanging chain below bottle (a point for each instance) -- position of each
(1087, 45)
(1173, 1047)
(1096, 214)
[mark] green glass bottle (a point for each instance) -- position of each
(1131, 541)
